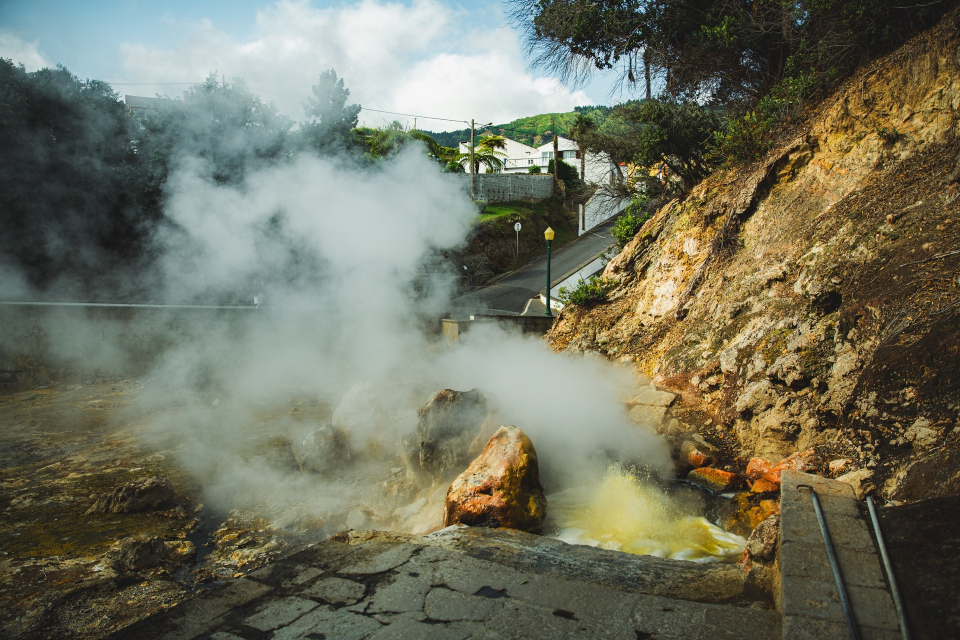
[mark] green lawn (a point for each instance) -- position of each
(498, 211)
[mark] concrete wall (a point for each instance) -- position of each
(599, 209)
(508, 187)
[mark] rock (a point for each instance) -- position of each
(154, 492)
(836, 466)
(728, 360)
(692, 456)
(180, 551)
(763, 485)
(859, 480)
(324, 449)
(653, 397)
(451, 429)
(137, 554)
(762, 543)
(501, 488)
(758, 467)
(648, 415)
(799, 461)
(788, 369)
(744, 511)
(757, 397)
(920, 435)
(716, 480)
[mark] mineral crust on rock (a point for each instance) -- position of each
(154, 492)
(716, 480)
(501, 488)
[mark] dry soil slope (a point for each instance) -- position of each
(805, 300)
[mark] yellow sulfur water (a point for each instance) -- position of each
(625, 514)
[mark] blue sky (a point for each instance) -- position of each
(449, 59)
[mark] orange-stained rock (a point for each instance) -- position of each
(691, 455)
(758, 467)
(745, 511)
(716, 480)
(501, 487)
(799, 461)
(763, 485)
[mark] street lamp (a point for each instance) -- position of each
(548, 234)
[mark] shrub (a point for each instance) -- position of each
(628, 225)
(588, 293)
(534, 169)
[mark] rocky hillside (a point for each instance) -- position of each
(813, 298)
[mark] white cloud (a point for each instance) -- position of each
(416, 58)
(19, 50)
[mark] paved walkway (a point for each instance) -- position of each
(469, 583)
(810, 599)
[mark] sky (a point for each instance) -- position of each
(424, 57)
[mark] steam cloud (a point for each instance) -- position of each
(338, 252)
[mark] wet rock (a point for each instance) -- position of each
(154, 492)
(323, 449)
(745, 511)
(762, 543)
(763, 485)
(180, 551)
(451, 429)
(716, 480)
(137, 554)
(758, 467)
(692, 456)
(501, 488)
(860, 481)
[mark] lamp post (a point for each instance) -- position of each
(548, 234)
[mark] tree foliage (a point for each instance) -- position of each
(734, 51)
(332, 119)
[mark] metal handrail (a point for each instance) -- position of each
(831, 554)
(888, 567)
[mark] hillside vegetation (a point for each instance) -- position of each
(811, 298)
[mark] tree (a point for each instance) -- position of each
(488, 153)
(581, 132)
(731, 51)
(389, 140)
(332, 119)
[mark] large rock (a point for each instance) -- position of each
(323, 449)
(716, 480)
(137, 554)
(762, 543)
(501, 488)
(154, 492)
(451, 429)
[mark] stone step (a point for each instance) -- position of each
(469, 583)
(810, 601)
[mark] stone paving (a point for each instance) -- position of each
(810, 600)
(471, 583)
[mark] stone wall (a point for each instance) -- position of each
(509, 187)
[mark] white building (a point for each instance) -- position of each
(519, 157)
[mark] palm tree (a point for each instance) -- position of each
(488, 153)
(580, 132)
(389, 140)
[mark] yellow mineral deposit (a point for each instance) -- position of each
(626, 514)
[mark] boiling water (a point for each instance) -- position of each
(626, 514)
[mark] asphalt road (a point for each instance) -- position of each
(512, 292)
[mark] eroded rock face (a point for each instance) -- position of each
(501, 488)
(451, 429)
(154, 492)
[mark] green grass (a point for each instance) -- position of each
(493, 212)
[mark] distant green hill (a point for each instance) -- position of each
(533, 130)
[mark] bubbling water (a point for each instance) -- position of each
(624, 513)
